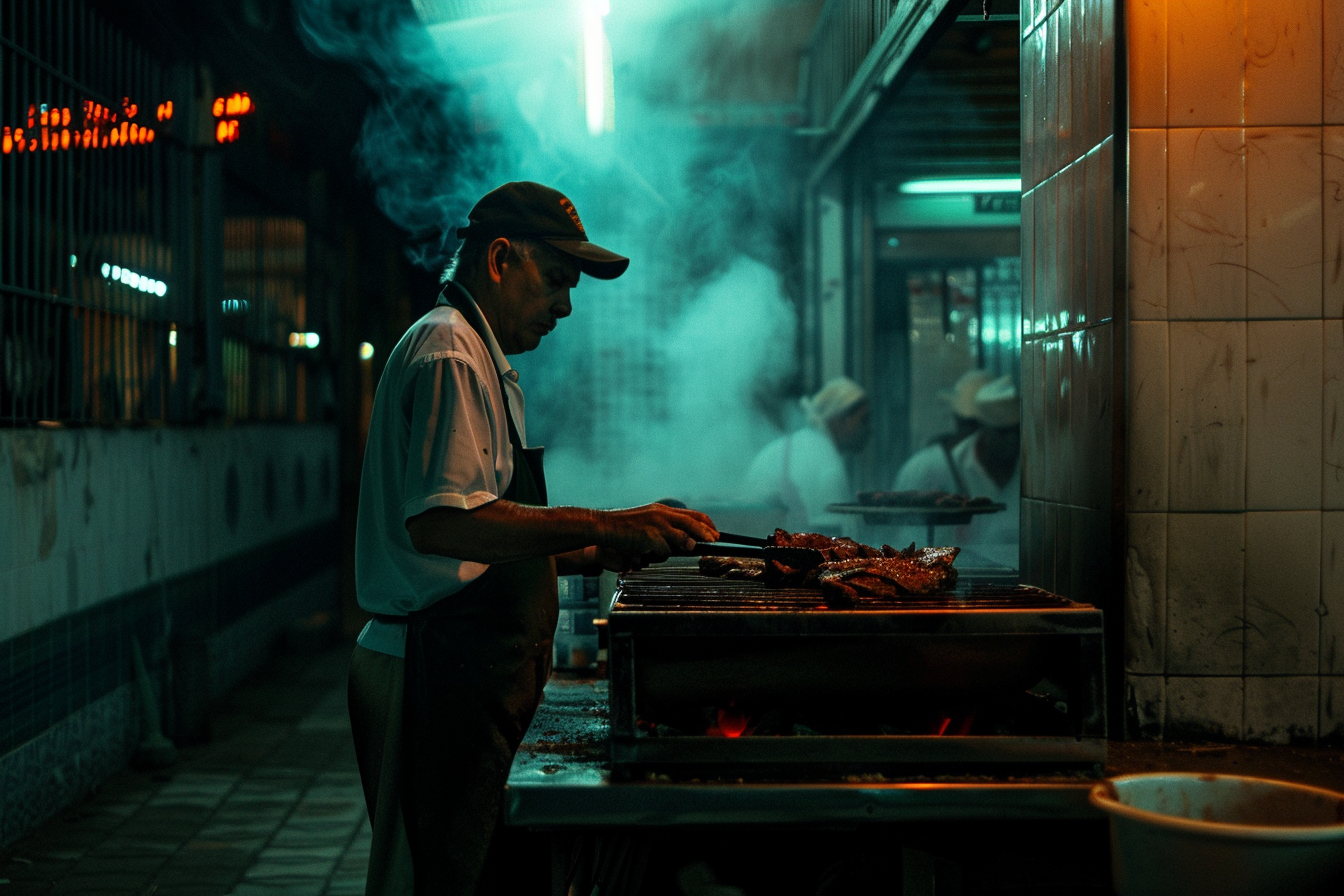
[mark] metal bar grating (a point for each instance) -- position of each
(81, 193)
(846, 32)
(264, 302)
(98, 197)
(686, 589)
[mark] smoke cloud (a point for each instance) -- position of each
(692, 432)
(664, 382)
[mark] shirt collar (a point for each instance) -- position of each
(456, 294)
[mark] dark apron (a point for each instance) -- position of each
(476, 663)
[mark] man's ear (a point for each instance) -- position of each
(496, 257)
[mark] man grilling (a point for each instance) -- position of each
(457, 553)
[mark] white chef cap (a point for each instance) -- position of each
(835, 398)
(997, 405)
(961, 397)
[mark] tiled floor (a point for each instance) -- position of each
(271, 806)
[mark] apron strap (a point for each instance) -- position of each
(956, 474)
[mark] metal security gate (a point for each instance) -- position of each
(88, 296)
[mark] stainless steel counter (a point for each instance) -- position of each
(561, 779)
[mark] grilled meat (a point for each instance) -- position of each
(791, 557)
(807, 560)
(748, 568)
(830, 548)
(909, 571)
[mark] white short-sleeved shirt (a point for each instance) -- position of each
(438, 437)
(815, 475)
(993, 534)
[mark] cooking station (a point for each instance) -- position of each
(712, 677)
(730, 703)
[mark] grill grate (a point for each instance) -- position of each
(685, 589)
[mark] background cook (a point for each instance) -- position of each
(805, 470)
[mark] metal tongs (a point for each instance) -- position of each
(730, 545)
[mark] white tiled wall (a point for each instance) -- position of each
(1069, 284)
(1284, 61)
(1205, 569)
(1332, 596)
(1283, 215)
(1068, 280)
(1206, 62)
(1199, 708)
(1235, 369)
(1149, 409)
(1206, 206)
(1283, 592)
(1146, 593)
(99, 513)
(1206, 447)
(1147, 291)
(1332, 52)
(1284, 388)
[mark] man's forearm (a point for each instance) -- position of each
(502, 531)
(578, 563)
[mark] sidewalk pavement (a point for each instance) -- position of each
(271, 806)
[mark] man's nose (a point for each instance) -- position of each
(562, 306)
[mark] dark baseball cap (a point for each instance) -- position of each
(523, 209)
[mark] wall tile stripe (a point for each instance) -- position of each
(57, 669)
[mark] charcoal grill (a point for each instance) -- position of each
(720, 677)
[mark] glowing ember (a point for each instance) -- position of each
(730, 722)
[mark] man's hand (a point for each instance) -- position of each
(502, 531)
(634, 538)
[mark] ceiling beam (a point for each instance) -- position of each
(892, 50)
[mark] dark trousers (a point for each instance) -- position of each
(480, 854)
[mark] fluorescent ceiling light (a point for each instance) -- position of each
(595, 65)
(965, 185)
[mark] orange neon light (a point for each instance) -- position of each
(91, 125)
(226, 131)
(233, 105)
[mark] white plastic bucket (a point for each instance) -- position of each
(1222, 835)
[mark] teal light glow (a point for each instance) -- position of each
(964, 185)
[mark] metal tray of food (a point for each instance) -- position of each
(930, 516)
